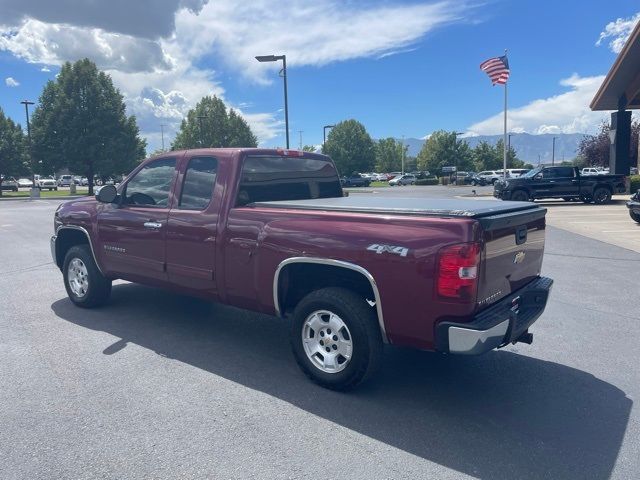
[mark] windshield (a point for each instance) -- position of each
(532, 173)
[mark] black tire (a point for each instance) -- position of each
(601, 195)
(634, 216)
(473, 183)
(493, 181)
(520, 196)
(56, 189)
(568, 199)
(99, 287)
(361, 322)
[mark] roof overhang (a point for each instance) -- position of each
(621, 87)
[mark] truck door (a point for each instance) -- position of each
(132, 234)
(192, 227)
(563, 181)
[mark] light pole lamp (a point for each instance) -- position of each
(324, 134)
(275, 58)
(26, 104)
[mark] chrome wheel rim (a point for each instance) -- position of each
(78, 277)
(327, 341)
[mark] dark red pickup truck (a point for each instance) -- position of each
(270, 231)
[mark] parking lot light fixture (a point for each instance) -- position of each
(26, 104)
(276, 58)
(324, 134)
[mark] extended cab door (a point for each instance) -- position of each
(192, 227)
(132, 233)
(562, 181)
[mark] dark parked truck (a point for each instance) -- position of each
(560, 182)
(270, 231)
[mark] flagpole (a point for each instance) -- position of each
(504, 141)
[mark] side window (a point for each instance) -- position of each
(549, 173)
(564, 172)
(151, 185)
(199, 180)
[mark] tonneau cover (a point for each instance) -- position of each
(440, 207)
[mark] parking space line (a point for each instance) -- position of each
(621, 231)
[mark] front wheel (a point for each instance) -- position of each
(601, 196)
(85, 285)
(520, 196)
(335, 338)
(634, 216)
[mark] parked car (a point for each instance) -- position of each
(516, 172)
(634, 207)
(560, 182)
(489, 176)
(65, 181)
(9, 183)
(476, 179)
(47, 183)
(355, 180)
(288, 243)
(405, 179)
(634, 171)
(593, 171)
(25, 183)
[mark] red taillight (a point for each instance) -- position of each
(457, 276)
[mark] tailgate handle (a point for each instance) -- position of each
(521, 235)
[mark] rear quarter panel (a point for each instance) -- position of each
(406, 284)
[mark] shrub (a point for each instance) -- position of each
(427, 181)
(635, 183)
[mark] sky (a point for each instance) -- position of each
(402, 68)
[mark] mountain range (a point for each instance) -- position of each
(532, 149)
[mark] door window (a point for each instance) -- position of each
(199, 180)
(152, 184)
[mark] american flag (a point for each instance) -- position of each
(497, 68)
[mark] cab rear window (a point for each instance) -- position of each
(272, 178)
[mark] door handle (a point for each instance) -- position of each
(152, 225)
(552, 181)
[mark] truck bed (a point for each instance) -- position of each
(490, 213)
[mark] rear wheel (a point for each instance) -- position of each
(335, 338)
(520, 196)
(85, 285)
(601, 195)
(634, 216)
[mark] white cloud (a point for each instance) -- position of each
(308, 32)
(563, 113)
(618, 32)
(11, 82)
(53, 44)
(45, 69)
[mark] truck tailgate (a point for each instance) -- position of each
(512, 256)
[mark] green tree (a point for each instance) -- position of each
(485, 157)
(210, 125)
(512, 159)
(81, 124)
(12, 151)
(443, 149)
(309, 148)
(350, 147)
(389, 153)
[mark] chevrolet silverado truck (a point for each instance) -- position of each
(271, 231)
(560, 182)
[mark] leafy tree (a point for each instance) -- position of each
(350, 147)
(81, 124)
(309, 148)
(443, 149)
(593, 150)
(12, 142)
(209, 125)
(485, 158)
(389, 154)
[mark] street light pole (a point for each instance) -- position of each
(200, 118)
(402, 158)
(456, 157)
(324, 134)
(275, 58)
(26, 104)
(300, 132)
(553, 152)
(162, 125)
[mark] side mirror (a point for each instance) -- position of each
(538, 176)
(107, 194)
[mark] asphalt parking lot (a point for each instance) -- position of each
(156, 385)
